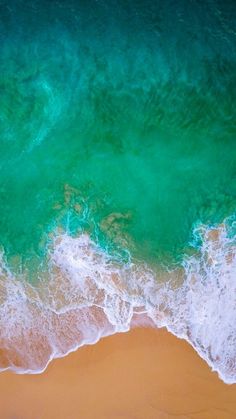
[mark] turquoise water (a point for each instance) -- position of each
(117, 119)
(138, 117)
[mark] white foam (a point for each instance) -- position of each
(87, 295)
(205, 306)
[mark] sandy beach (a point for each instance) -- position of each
(143, 374)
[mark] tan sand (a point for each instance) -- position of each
(144, 374)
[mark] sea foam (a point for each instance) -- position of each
(86, 294)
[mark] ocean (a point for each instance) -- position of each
(117, 169)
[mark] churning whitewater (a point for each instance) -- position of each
(86, 294)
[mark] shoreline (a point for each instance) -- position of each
(143, 374)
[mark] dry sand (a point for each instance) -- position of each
(143, 374)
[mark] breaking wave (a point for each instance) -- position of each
(86, 294)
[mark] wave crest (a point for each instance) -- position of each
(86, 294)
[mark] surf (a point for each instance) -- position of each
(86, 295)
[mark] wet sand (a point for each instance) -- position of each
(143, 374)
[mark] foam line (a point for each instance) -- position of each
(87, 295)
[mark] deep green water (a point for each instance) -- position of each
(118, 118)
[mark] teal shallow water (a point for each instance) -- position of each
(132, 106)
